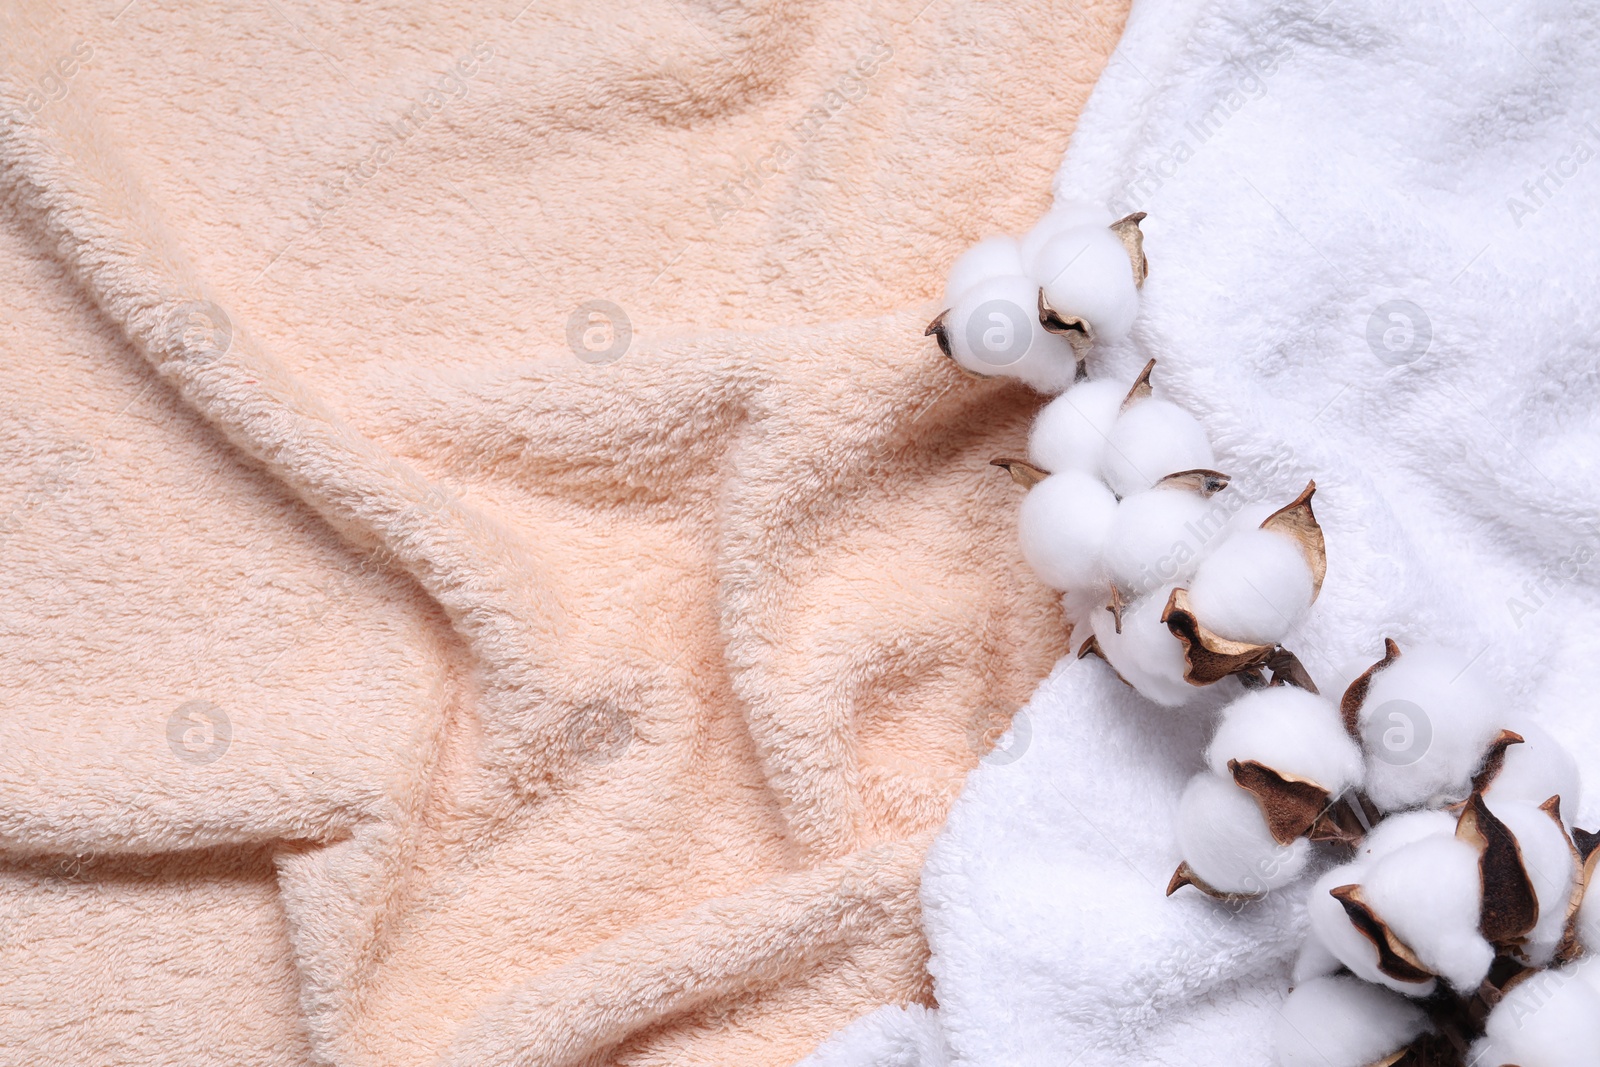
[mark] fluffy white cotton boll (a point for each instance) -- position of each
(1145, 653)
(1430, 894)
(1549, 1020)
(1330, 924)
(993, 328)
(1397, 831)
(1067, 215)
(1343, 1022)
(1296, 733)
(1062, 524)
(1086, 274)
(1536, 770)
(1426, 723)
(1547, 854)
(1225, 840)
(1153, 538)
(1253, 587)
(1313, 961)
(1071, 431)
(1152, 439)
(992, 257)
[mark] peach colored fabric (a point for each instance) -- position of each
(386, 685)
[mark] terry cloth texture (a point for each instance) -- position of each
(494, 571)
(1375, 246)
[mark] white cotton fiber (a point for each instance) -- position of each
(1538, 769)
(1086, 273)
(1296, 733)
(1551, 863)
(1397, 831)
(1549, 1020)
(1155, 538)
(1062, 524)
(1313, 961)
(1145, 653)
(992, 257)
(1071, 431)
(1254, 586)
(1343, 1022)
(1152, 439)
(1430, 894)
(1426, 723)
(1224, 838)
(1067, 215)
(993, 328)
(1330, 924)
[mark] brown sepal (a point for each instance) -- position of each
(1494, 760)
(1118, 602)
(1141, 388)
(937, 330)
(1356, 694)
(1571, 947)
(1287, 669)
(1185, 875)
(1205, 482)
(1127, 230)
(1395, 957)
(1297, 520)
(1510, 905)
(1347, 822)
(1078, 332)
(1429, 1050)
(1209, 657)
(1291, 805)
(1022, 472)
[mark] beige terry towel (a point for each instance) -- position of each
(493, 571)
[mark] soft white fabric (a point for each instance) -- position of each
(1301, 169)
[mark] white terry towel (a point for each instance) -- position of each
(1375, 261)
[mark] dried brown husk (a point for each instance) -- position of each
(1207, 483)
(1583, 847)
(1347, 822)
(1356, 694)
(1141, 387)
(1495, 760)
(1297, 520)
(1132, 238)
(1291, 805)
(1208, 656)
(939, 332)
(1022, 472)
(1510, 903)
(1395, 957)
(1091, 647)
(1429, 1050)
(1287, 669)
(1077, 331)
(1185, 875)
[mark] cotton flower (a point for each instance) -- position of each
(992, 257)
(1085, 273)
(1397, 831)
(1253, 587)
(1063, 524)
(993, 329)
(1153, 535)
(1426, 719)
(1342, 1022)
(1298, 738)
(1071, 431)
(1226, 845)
(1144, 653)
(1332, 926)
(1429, 894)
(1150, 440)
(1551, 1019)
(1551, 866)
